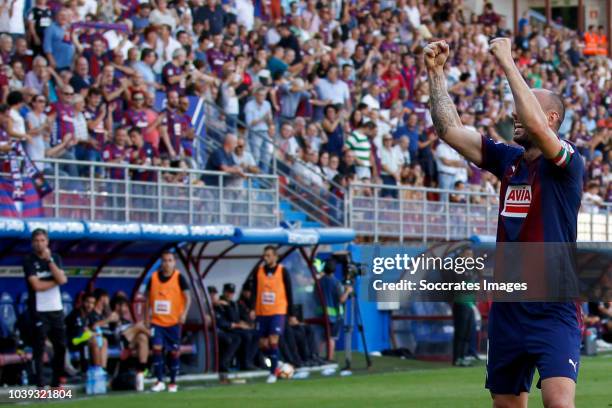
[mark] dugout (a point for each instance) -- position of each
(121, 256)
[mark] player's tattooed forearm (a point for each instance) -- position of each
(443, 111)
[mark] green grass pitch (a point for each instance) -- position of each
(390, 383)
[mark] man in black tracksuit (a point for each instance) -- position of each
(248, 334)
(229, 342)
(44, 276)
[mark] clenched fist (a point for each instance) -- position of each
(501, 48)
(436, 54)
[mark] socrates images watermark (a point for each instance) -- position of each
(466, 270)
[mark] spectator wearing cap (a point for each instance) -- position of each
(246, 330)
(57, 45)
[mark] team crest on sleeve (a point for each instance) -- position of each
(517, 201)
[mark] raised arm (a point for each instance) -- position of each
(443, 111)
(528, 109)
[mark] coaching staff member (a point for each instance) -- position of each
(44, 276)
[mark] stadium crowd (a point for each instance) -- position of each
(340, 87)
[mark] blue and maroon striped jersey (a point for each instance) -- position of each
(64, 122)
(539, 200)
(120, 155)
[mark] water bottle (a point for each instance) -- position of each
(89, 381)
(24, 378)
(590, 342)
(100, 381)
(99, 339)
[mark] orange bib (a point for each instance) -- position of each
(166, 300)
(271, 295)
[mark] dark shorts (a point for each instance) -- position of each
(334, 328)
(545, 336)
(270, 325)
(168, 337)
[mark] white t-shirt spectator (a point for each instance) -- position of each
(81, 133)
(36, 148)
(591, 202)
(444, 151)
(337, 92)
(245, 13)
(18, 121)
(414, 16)
(392, 159)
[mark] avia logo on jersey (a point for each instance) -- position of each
(518, 199)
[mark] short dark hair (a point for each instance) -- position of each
(168, 252)
(40, 231)
(99, 293)
(14, 98)
(270, 248)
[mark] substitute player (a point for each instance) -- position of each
(167, 307)
(273, 298)
(523, 336)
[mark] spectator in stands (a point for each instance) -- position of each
(44, 276)
(243, 158)
(358, 142)
(167, 307)
(452, 167)
(118, 152)
(39, 127)
(39, 19)
(222, 160)
(271, 286)
(57, 45)
(335, 295)
(258, 117)
(591, 200)
(391, 164)
(244, 329)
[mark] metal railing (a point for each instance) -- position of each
(114, 192)
(596, 226)
(317, 202)
(414, 216)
